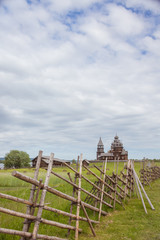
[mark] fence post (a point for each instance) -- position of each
(73, 194)
(143, 190)
(36, 198)
(104, 177)
(41, 205)
(115, 186)
(99, 185)
(79, 197)
(88, 219)
(135, 177)
(29, 208)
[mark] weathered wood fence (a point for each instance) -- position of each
(106, 192)
(149, 173)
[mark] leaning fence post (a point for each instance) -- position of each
(115, 186)
(29, 208)
(104, 176)
(88, 219)
(100, 185)
(135, 177)
(41, 205)
(79, 197)
(74, 191)
(143, 190)
(36, 198)
(127, 177)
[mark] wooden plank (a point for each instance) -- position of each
(73, 194)
(98, 188)
(111, 188)
(16, 199)
(144, 206)
(53, 191)
(126, 186)
(79, 197)
(66, 164)
(115, 185)
(36, 198)
(43, 195)
(101, 201)
(17, 214)
(82, 189)
(121, 180)
(33, 218)
(90, 181)
(28, 234)
(64, 179)
(68, 214)
(45, 207)
(36, 183)
(99, 185)
(69, 175)
(29, 208)
(89, 221)
(120, 188)
(144, 191)
(60, 225)
(103, 173)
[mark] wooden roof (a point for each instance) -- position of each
(46, 159)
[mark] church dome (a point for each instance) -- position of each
(116, 143)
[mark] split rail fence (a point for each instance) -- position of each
(149, 173)
(106, 191)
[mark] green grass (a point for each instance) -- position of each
(131, 223)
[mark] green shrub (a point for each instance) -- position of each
(16, 159)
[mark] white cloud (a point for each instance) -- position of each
(68, 5)
(151, 5)
(124, 22)
(72, 72)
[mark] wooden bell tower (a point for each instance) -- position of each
(100, 148)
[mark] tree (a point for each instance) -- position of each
(73, 161)
(16, 159)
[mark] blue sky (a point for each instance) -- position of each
(72, 71)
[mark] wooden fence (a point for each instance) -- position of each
(106, 191)
(149, 172)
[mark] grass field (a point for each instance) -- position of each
(129, 224)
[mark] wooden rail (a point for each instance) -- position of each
(107, 191)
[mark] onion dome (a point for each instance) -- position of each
(116, 143)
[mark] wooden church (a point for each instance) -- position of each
(117, 150)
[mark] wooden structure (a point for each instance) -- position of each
(106, 192)
(149, 172)
(45, 161)
(85, 162)
(117, 151)
(139, 185)
(100, 148)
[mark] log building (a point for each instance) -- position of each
(45, 161)
(117, 150)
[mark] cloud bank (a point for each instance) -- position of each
(72, 71)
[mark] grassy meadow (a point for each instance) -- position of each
(129, 224)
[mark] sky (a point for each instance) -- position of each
(72, 71)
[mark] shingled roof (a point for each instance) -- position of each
(116, 142)
(46, 159)
(100, 143)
